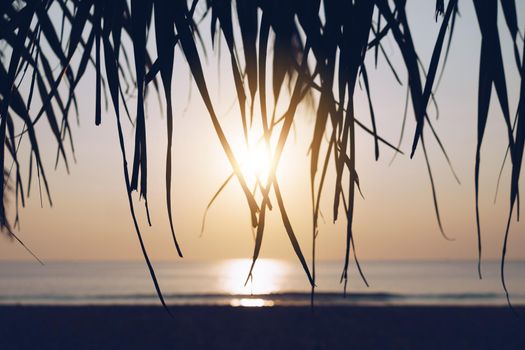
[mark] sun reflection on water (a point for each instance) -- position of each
(268, 277)
(249, 302)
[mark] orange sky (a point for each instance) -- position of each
(90, 218)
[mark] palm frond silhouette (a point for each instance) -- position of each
(317, 48)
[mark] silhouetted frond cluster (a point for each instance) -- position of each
(316, 47)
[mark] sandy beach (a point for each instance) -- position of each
(209, 327)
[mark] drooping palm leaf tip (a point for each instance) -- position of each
(319, 48)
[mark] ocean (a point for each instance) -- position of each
(275, 282)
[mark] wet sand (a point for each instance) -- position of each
(216, 327)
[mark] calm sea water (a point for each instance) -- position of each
(275, 283)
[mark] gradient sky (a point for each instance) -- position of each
(90, 218)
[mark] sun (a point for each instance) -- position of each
(256, 164)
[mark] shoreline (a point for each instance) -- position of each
(278, 327)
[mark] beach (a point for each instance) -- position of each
(422, 305)
(223, 327)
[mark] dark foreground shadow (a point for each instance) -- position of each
(137, 327)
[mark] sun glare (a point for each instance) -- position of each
(256, 164)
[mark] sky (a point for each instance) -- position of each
(395, 220)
